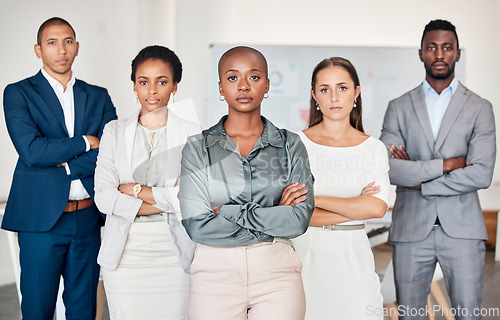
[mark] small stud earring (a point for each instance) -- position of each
(317, 106)
(266, 95)
(221, 97)
(354, 106)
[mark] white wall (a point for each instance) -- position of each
(344, 23)
(111, 32)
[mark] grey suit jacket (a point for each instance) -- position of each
(467, 129)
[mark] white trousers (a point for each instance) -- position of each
(148, 283)
(257, 282)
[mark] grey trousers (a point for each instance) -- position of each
(462, 262)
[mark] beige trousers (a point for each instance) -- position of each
(257, 282)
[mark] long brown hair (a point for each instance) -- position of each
(315, 116)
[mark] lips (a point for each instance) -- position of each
(152, 100)
(244, 99)
(439, 65)
(335, 108)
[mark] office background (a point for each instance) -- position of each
(111, 32)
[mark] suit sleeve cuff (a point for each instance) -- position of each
(68, 170)
(87, 144)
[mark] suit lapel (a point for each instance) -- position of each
(80, 101)
(418, 100)
(454, 108)
(49, 96)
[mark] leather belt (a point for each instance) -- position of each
(284, 240)
(333, 227)
(74, 205)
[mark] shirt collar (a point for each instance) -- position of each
(270, 135)
(56, 85)
(452, 87)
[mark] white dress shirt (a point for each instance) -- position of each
(67, 101)
(438, 103)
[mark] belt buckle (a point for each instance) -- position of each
(328, 228)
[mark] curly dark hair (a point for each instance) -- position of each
(162, 53)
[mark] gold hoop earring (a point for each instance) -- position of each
(221, 97)
(266, 95)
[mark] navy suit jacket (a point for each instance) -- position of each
(35, 122)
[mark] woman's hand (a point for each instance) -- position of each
(216, 209)
(127, 189)
(294, 193)
(370, 189)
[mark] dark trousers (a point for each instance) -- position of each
(69, 249)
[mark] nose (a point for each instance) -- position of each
(243, 85)
(439, 53)
(60, 48)
(334, 96)
(152, 89)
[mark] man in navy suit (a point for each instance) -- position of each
(55, 123)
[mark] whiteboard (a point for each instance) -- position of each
(385, 73)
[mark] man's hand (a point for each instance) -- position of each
(93, 141)
(453, 163)
(399, 153)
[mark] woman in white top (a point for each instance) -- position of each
(352, 184)
(145, 253)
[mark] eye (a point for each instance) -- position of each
(162, 82)
(447, 48)
(254, 78)
(51, 42)
(431, 48)
(69, 41)
(143, 83)
(324, 90)
(342, 88)
(232, 78)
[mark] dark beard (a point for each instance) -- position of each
(440, 76)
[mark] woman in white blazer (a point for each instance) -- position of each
(145, 253)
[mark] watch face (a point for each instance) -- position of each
(137, 189)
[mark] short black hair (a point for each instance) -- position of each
(439, 25)
(162, 53)
(51, 22)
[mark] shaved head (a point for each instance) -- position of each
(242, 51)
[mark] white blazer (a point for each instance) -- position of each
(114, 167)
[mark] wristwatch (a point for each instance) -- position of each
(137, 190)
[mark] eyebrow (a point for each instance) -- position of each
(337, 84)
(236, 70)
(144, 77)
(51, 39)
(444, 43)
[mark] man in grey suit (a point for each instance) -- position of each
(441, 140)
